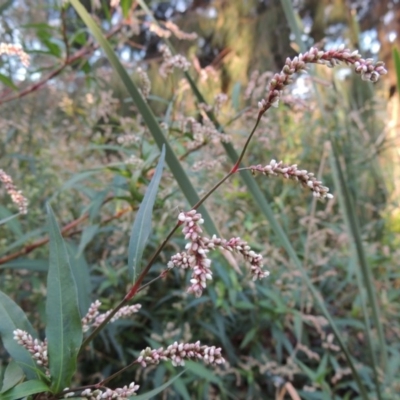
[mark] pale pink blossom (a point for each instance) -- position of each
(195, 255)
(179, 352)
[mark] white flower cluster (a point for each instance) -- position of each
(368, 70)
(179, 352)
(128, 138)
(195, 256)
(170, 62)
(134, 161)
(144, 82)
(108, 394)
(37, 348)
(16, 195)
(206, 164)
(93, 318)
(306, 178)
(240, 246)
(204, 132)
(11, 49)
(92, 313)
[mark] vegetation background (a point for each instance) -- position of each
(72, 136)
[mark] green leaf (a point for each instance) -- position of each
(25, 389)
(63, 328)
(8, 82)
(12, 376)
(148, 117)
(126, 6)
(9, 219)
(248, 337)
(154, 392)
(142, 226)
(87, 235)
(203, 372)
(26, 263)
(181, 388)
(80, 270)
(12, 317)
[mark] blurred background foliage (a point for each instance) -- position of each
(70, 134)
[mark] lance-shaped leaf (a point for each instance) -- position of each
(11, 318)
(13, 375)
(24, 390)
(64, 328)
(142, 226)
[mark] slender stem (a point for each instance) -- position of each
(109, 378)
(153, 280)
(237, 164)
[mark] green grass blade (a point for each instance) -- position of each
(148, 116)
(63, 327)
(364, 276)
(142, 226)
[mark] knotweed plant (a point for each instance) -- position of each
(51, 363)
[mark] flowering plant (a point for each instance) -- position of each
(51, 363)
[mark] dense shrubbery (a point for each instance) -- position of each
(87, 143)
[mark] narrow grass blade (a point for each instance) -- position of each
(63, 328)
(148, 116)
(365, 280)
(142, 226)
(12, 317)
